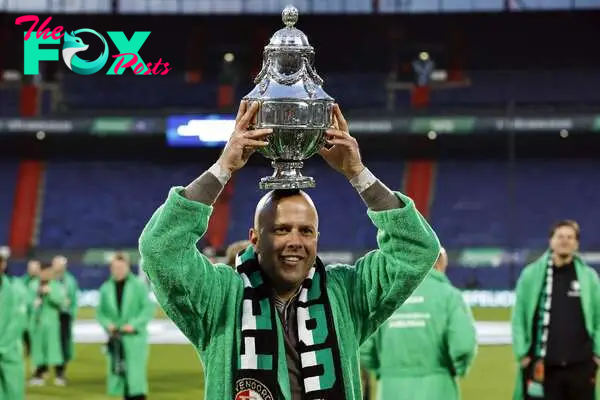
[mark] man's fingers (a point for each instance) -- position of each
(335, 123)
(258, 133)
(324, 152)
(242, 109)
(340, 142)
(245, 119)
(342, 124)
(254, 143)
(335, 133)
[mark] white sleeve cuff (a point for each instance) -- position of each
(221, 174)
(363, 181)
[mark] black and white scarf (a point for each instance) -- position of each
(257, 360)
(535, 386)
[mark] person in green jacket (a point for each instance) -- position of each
(31, 275)
(427, 344)
(12, 364)
(124, 311)
(68, 310)
(282, 325)
(556, 322)
(44, 327)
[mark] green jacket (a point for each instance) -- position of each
(529, 287)
(136, 310)
(70, 290)
(23, 294)
(425, 345)
(44, 326)
(12, 364)
(204, 300)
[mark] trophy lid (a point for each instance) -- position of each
(289, 38)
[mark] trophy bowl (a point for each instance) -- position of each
(293, 103)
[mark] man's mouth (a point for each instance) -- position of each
(291, 260)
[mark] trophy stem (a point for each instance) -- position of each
(287, 175)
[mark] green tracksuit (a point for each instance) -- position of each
(428, 343)
(527, 294)
(69, 288)
(12, 365)
(204, 299)
(44, 326)
(136, 310)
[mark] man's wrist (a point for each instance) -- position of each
(363, 180)
(222, 174)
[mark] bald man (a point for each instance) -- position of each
(419, 353)
(281, 325)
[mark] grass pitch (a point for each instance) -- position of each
(175, 371)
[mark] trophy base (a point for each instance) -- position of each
(287, 175)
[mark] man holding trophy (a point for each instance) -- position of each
(281, 325)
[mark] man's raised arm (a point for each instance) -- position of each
(384, 278)
(191, 290)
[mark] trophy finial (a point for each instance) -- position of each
(289, 15)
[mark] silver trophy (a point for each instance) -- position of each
(292, 103)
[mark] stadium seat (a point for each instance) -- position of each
(8, 181)
(472, 206)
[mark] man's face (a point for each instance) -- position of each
(286, 241)
(119, 269)
(59, 264)
(564, 241)
(47, 274)
(33, 268)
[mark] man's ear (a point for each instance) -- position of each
(253, 237)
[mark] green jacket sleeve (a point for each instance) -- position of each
(461, 335)
(383, 279)
(24, 305)
(188, 287)
(10, 324)
(595, 285)
(73, 293)
(55, 296)
(101, 314)
(140, 322)
(518, 322)
(369, 354)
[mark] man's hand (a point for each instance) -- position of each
(243, 142)
(128, 329)
(525, 361)
(343, 155)
(111, 329)
(45, 289)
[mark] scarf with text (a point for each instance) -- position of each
(261, 336)
(535, 386)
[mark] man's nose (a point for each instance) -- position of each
(294, 239)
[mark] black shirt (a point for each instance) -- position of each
(568, 339)
(120, 286)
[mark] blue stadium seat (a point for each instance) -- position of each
(8, 181)
(97, 204)
(472, 206)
